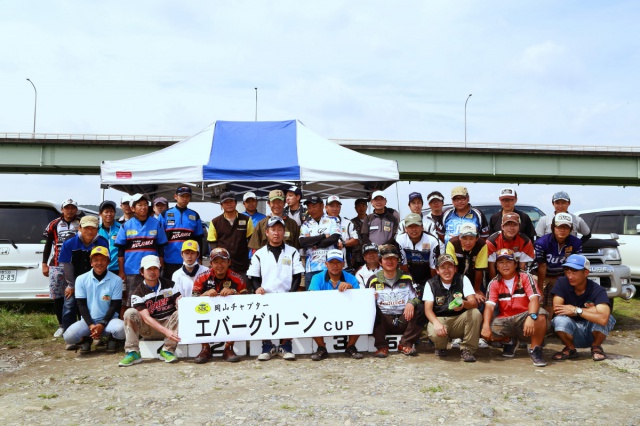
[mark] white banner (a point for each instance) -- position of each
(276, 316)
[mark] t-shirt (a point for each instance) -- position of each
(183, 283)
(160, 301)
(543, 227)
(549, 251)
(99, 294)
(322, 281)
(140, 239)
(75, 252)
(277, 275)
(180, 225)
(515, 301)
(594, 293)
(467, 290)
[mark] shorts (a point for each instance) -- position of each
(57, 283)
(513, 326)
(582, 331)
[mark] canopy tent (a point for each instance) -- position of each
(252, 156)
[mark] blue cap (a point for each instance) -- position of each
(576, 261)
(560, 196)
(335, 254)
(415, 195)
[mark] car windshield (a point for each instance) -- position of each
(25, 225)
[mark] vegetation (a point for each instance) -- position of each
(25, 321)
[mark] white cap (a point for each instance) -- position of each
(149, 262)
(563, 219)
(69, 202)
(335, 254)
(125, 199)
(248, 195)
(334, 198)
(468, 228)
(137, 197)
(378, 194)
(507, 192)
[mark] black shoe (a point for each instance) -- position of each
(536, 356)
(352, 352)
(509, 349)
(85, 345)
(320, 354)
(112, 346)
(467, 356)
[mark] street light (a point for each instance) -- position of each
(465, 117)
(256, 104)
(35, 106)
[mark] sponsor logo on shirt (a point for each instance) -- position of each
(154, 232)
(192, 217)
(171, 222)
(106, 297)
(242, 222)
(131, 232)
(286, 260)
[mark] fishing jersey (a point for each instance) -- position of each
(347, 232)
(75, 252)
(452, 223)
(392, 298)
(110, 235)
(364, 273)
(160, 301)
(549, 251)
(579, 225)
(277, 274)
(521, 246)
(299, 215)
(56, 233)
(512, 297)
(179, 225)
(468, 262)
(183, 281)
(209, 281)
(380, 228)
(322, 281)
(420, 257)
(317, 256)
(139, 239)
(355, 253)
(428, 225)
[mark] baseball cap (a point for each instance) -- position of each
(125, 199)
(160, 200)
(334, 198)
(360, 201)
(184, 190)
(511, 217)
(435, 195)
(459, 190)
(314, 199)
(413, 219)
(249, 195)
(273, 220)
(219, 252)
(190, 245)
(378, 194)
(227, 196)
(137, 197)
(444, 258)
(388, 250)
(505, 253)
(99, 250)
(295, 190)
(415, 195)
(106, 204)
(276, 194)
(69, 202)
(335, 254)
(468, 229)
(370, 247)
(563, 219)
(91, 221)
(576, 261)
(560, 196)
(507, 193)
(150, 261)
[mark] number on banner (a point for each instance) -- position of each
(341, 343)
(217, 349)
(393, 342)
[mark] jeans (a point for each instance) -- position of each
(80, 329)
(582, 331)
(69, 312)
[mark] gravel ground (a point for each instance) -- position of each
(42, 384)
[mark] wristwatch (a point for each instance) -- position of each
(533, 316)
(578, 311)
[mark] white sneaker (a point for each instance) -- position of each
(58, 332)
(286, 354)
(267, 353)
(482, 344)
(455, 343)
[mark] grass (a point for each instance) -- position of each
(20, 321)
(627, 313)
(432, 389)
(48, 395)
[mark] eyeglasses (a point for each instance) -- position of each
(460, 198)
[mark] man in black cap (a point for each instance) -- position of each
(357, 258)
(294, 209)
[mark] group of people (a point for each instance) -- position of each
(116, 280)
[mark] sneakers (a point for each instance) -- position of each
(509, 349)
(483, 344)
(268, 351)
(455, 343)
(59, 332)
(320, 354)
(352, 352)
(85, 345)
(408, 350)
(382, 352)
(441, 352)
(536, 356)
(72, 347)
(132, 357)
(229, 354)
(204, 356)
(285, 350)
(168, 356)
(112, 346)
(467, 356)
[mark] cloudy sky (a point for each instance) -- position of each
(544, 72)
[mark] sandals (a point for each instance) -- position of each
(597, 353)
(565, 353)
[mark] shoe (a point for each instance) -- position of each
(482, 344)
(382, 352)
(229, 354)
(72, 347)
(455, 343)
(509, 349)
(285, 350)
(268, 352)
(59, 332)
(112, 346)
(408, 350)
(103, 341)
(132, 357)
(536, 356)
(85, 345)
(168, 356)
(352, 352)
(204, 356)
(467, 356)
(565, 353)
(597, 353)
(320, 354)
(441, 352)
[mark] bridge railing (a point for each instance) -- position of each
(89, 137)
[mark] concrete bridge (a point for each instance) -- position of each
(417, 160)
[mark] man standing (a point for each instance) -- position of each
(184, 277)
(435, 199)
(180, 224)
(334, 278)
(381, 226)
(250, 202)
(294, 209)
(291, 228)
(519, 302)
(276, 268)
(160, 206)
(583, 315)
(56, 233)
(99, 298)
(356, 255)
(349, 236)
(232, 230)
(318, 235)
(127, 211)
(561, 202)
(463, 213)
(109, 229)
(371, 266)
(398, 308)
(219, 280)
(420, 249)
(451, 308)
(470, 255)
(510, 237)
(508, 199)
(154, 314)
(415, 206)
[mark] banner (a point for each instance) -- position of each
(276, 316)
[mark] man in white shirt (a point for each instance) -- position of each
(184, 277)
(371, 266)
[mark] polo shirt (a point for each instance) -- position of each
(322, 281)
(515, 301)
(594, 293)
(179, 225)
(75, 252)
(276, 275)
(99, 294)
(140, 239)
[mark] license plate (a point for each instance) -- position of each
(596, 279)
(8, 275)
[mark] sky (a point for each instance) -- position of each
(541, 72)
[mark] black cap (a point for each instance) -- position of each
(184, 190)
(227, 196)
(106, 204)
(314, 199)
(361, 200)
(370, 247)
(295, 190)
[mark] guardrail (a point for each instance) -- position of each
(85, 137)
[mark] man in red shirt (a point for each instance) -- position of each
(510, 237)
